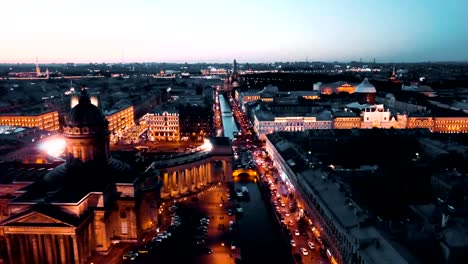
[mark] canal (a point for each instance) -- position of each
(229, 124)
(260, 236)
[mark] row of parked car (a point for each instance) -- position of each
(200, 236)
(158, 241)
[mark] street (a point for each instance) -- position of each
(305, 247)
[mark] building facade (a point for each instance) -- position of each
(120, 120)
(347, 122)
(48, 120)
(450, 125)
(162, 126)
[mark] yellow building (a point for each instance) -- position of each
(420, 122)
(347, 122)
(450, 124)
(120, 120)
(46, 120)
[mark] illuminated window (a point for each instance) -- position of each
(124, 227)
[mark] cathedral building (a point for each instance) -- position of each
(79, 206)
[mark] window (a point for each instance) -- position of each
(123, 214)
(124, 227)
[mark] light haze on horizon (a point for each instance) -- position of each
(85, 31)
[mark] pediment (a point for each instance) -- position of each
(36, 219)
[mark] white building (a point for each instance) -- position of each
(266, 122)
(162, 126)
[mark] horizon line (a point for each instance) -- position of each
(269, 62)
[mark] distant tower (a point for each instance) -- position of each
(234, 67)
(374, 60)
(394, 77)
(47, 73)
(38, 69)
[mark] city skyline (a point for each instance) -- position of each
(209, 31)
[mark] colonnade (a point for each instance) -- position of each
(191, 177)
(30, 247)
(186, 180)
(42, 248)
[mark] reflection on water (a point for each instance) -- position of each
(229, 125)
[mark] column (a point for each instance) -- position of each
(200, 176)
(42, 248)
(210, 171)
(204, 173)
(187, 179)
(192, 178)
(197, 177)
(165, 182)
(174, 182)
(22, 245)
(48, 249)
(10, 254)
(35, 249)
(63, 257)
(55, 249)
(180, 181)
(76, 255)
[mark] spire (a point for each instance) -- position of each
(84, 98)
(394, 71)
(38, 69)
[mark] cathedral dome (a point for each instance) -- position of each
(85, 114)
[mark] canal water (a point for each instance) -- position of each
(229, 124)
(260, 237)
(261, 240)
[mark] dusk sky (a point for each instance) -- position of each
(219, 31)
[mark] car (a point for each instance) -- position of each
(230, 212)
(293, 243)
(291, 222)
(296, 232)
(283, 205)
(304, 252)
(131, 255)
(311, 245)
(145, 249)
(156, 240)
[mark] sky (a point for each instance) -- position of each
(58, 31)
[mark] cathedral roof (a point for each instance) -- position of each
(70, 182)
(365, 87)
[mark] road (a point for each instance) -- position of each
(214, 203)
(284, 204)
